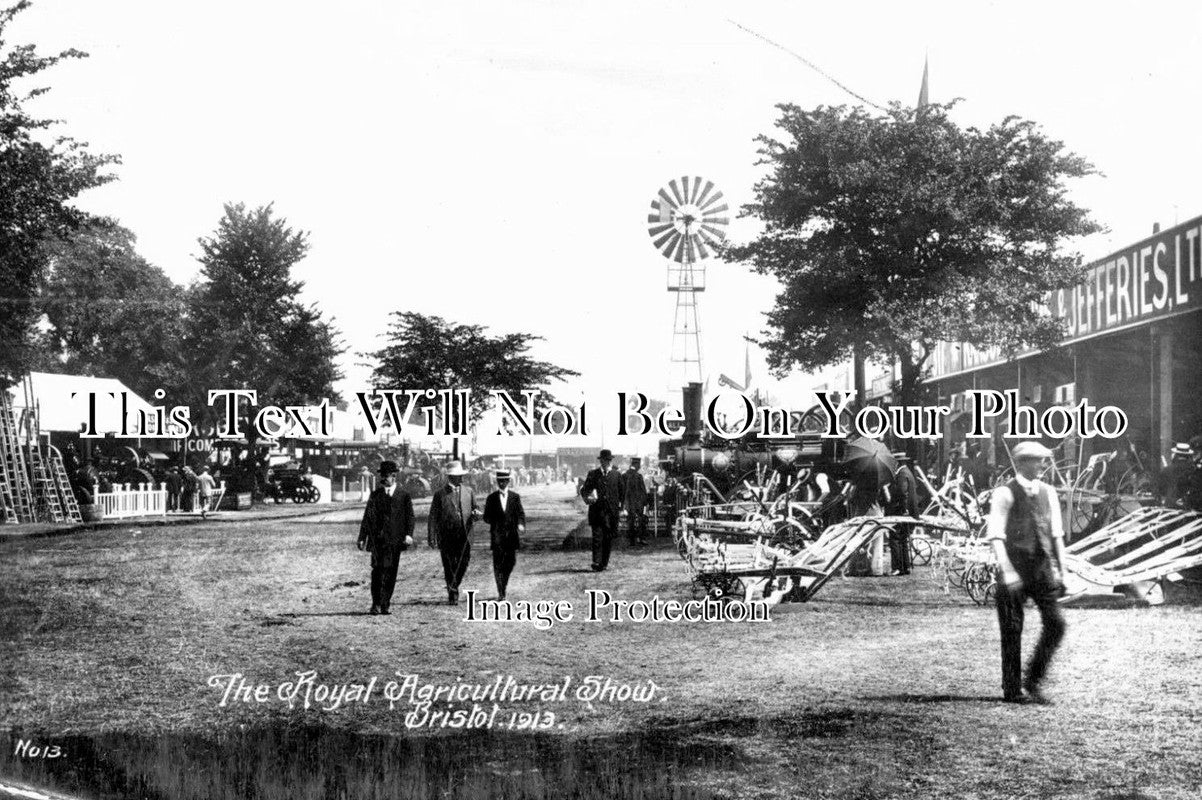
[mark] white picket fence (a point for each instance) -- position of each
(126, 500)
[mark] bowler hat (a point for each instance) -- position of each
(1030, 450)
(388, 467)
(456, 468)
(605, 455)
(636, 462)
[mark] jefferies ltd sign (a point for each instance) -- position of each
(1158, 277)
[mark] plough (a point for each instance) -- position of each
(729, 557)
(1134, 554)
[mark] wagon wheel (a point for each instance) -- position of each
(791, 534)
(977, 580)
(956, 571)
(921, 551)
(1135, 481)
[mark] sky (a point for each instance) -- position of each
(493, 163)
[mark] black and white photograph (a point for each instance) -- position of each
(534, 399)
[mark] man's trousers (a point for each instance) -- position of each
(383, 579)
(603, 536)
(503, 561)
(1041, 586)
(636, 526)
(899, 548)
(456, 552)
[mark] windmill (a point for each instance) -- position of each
(686, 221)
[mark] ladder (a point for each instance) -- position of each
(6, 494)
(45, 489)
(12, 456)
(62, 483)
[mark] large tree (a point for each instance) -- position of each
(890, 233)
(428, 352)
(40, 174)
(110, 312)
(248, 330)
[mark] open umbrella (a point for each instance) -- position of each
(866, 457)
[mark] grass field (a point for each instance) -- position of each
(880, 687)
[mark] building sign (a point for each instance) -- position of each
(1158, 277)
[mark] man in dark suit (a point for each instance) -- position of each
(602, 491)
(452, 512)
(386, 530)
(634, 498)
(903, 502)
(506, 520)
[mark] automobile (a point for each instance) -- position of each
(289, 483)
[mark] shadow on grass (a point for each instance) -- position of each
(932, 698)
(834, 752)
(295, 762)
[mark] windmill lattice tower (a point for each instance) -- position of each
(686, 220)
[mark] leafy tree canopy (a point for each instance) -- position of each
(428, 352)
(112, 313)
(40, 174)
(897, 231)
(247, 329)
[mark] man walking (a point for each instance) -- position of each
(506, 520)
(386, 531)
(452, 513)
(634, 499)
(204, 487)
(602, 491)
(1028, 539)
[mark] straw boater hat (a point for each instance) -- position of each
(456, 468)
(502, 475)
(901, 457)
(1030, 450)
(1182, 450)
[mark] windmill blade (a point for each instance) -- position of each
(709, 185)
(716, 197)
(687, 193)
(701, 247)
(696, 189)
(671, 235)
(668, 200)
(680, 201)
(678, 253)
(713, 233)
(656, 230)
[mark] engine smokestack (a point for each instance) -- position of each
(692, 412)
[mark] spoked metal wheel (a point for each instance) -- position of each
(978, 579)
(921, 550)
